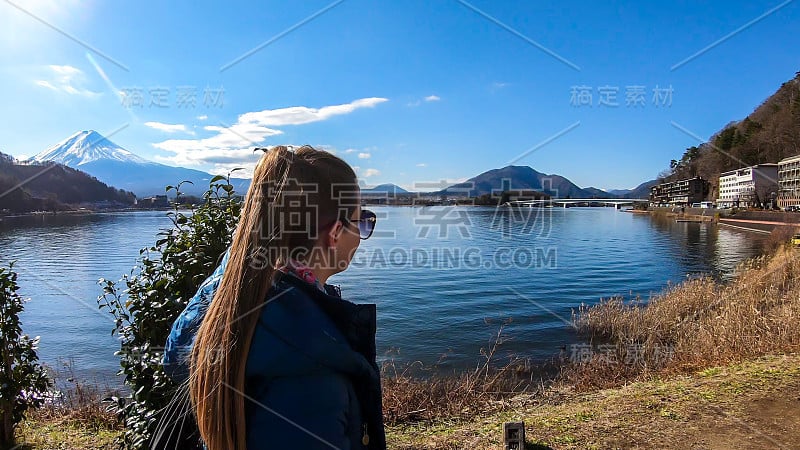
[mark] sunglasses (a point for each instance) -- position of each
(366, 224)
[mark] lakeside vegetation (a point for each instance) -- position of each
(690, 327)
(750, 405)
(730, 345)
(752, 402)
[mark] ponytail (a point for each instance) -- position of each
(265, 237)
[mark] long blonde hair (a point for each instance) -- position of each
(265, 236)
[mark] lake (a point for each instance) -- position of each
(445, 278)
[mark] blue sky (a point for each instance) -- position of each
(407, 91)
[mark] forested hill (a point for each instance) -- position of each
(767, 135)
(53, 187)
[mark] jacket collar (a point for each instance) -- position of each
(357, 322)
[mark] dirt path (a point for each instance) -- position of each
(754, 405)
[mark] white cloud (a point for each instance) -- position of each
(429, 98)
(233, 144)
(166, 127)
(370, 172)
(234, 141)
(67, 79)
(422, 165)
(497, 85)
(298, 115)
(46, 84)
(203, 117)
(219, 162)
(67, 71)
(364, 155)
(244, 168)
(350, 150)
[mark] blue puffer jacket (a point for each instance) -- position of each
(311, 377)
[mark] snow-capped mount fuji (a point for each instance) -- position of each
(91, 152)
(84, 147)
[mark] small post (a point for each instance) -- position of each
(514, 435)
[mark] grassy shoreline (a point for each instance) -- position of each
(743, 405)
(749, 404)
(732, 371)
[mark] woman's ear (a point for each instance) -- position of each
(334, 233)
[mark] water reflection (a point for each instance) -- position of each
(707, 248)
(444, 278)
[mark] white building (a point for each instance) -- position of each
(789, 173)
(748, 186)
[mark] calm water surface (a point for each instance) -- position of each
(444, 278)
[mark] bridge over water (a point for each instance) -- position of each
(566, 202)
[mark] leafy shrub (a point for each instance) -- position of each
(155, 292)
(23, 382)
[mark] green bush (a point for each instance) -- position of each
(23, 382)
(155, 292)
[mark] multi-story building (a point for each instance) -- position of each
(789, 181)
(679, 193)
(156, 201)
(748, 186)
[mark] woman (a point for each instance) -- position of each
(280, 360)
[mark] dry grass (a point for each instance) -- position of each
(696, 324)
(78, 402)
(75, 417)
(749, 405)
(779, 237)
(80, 407)
(417, 394)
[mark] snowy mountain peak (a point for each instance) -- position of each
(84, 147)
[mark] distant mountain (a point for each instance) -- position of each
(519, 177)
(598, 193)
(85, 147)
(386, 188)
(641, 191)
(51, 186)
(108, 162)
